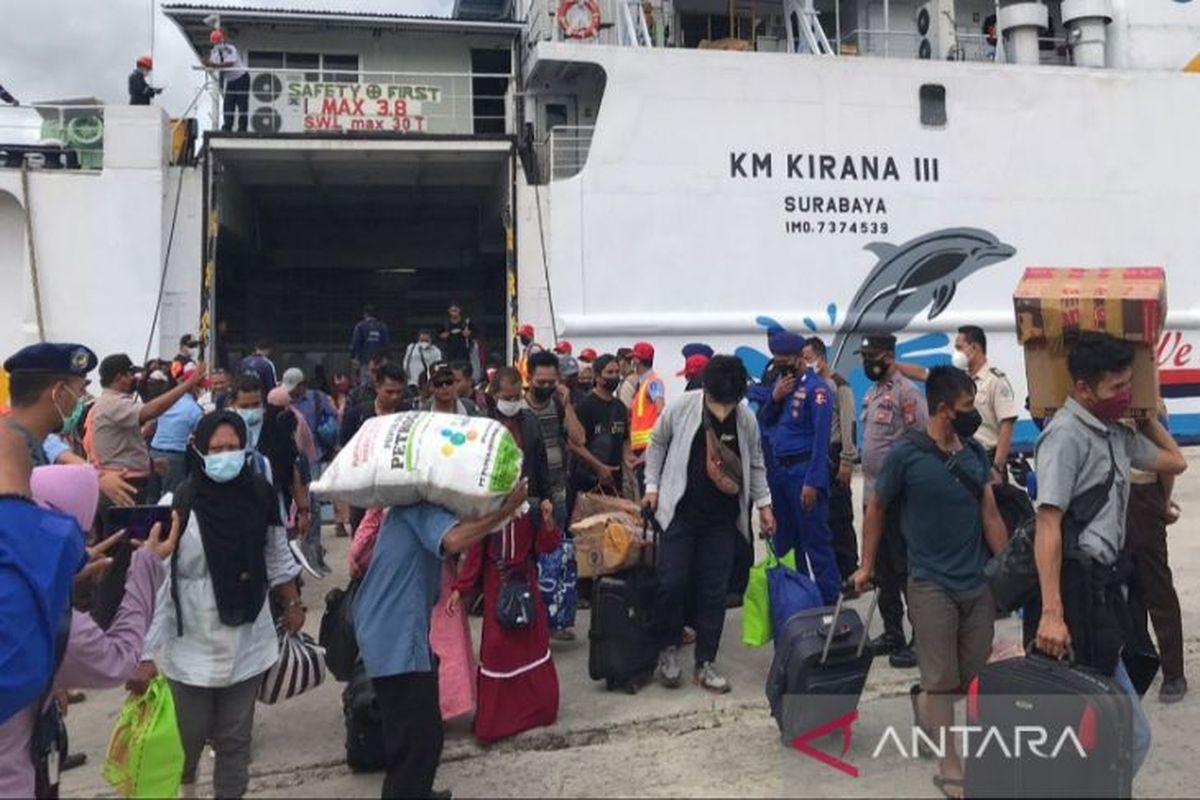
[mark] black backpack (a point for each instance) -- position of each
(364, 724)
(337, 631)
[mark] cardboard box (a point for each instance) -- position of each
(1053, 305)
(1050, 382)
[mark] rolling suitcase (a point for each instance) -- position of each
(1086, 718)
(622, 646)
(822, 658)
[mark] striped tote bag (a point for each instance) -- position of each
(301, 666)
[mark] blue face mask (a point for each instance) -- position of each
(224, 467)
(253, 417)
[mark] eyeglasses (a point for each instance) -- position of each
(442, 384)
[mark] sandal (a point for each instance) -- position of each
(950, 787)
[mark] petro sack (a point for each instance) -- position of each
(301, 666)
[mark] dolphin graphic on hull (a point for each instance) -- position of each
(909, 278)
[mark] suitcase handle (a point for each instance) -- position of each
(848, 592)
(1032, 649)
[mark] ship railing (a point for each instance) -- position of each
(622, 22)
(387, 102)
(46, 136)
(569, 146)
(964, 47)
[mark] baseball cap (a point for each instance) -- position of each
(114, 366)
(587, 354)
(568, 365)
(694, 365)
(563, 348)
(292, 378)
(643, 351)
(525, 330)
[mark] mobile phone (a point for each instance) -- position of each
(136, 521)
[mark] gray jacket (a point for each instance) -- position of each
(667, 465)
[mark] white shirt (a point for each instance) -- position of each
(226, 57)
(211, 653)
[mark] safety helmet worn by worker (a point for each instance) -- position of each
(146, 62)
(217, 36)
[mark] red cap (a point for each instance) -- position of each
(146, 62)
(525, 330)
(587, 354)
(693, 366)
(217, 36)
(563, 348)
(643, 351)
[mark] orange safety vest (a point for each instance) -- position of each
(642, 414)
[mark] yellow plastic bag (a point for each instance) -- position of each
(145, 754)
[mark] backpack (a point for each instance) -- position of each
(40, 552)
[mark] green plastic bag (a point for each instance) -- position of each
(145, 754)
(756, 604)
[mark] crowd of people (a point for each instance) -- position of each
(233, 450)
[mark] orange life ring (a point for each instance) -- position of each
(572, 30)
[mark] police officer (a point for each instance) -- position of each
(890, 408)
(801, 412)
(48, 390)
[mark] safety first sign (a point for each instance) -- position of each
(383, 107)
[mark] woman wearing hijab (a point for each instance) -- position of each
(213, 636)
(517, 683)
(94, 658)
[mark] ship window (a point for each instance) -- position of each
(341, 68)
(264, 59)
(933, 105)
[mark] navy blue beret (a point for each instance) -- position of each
(785, 343)
(52, 358)
(696, 349)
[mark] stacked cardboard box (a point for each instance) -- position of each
(1054, 306)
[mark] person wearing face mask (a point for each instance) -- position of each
(527, 348)
(48, 391)
(189, 351)
(940, 481)
(419, 357)
(605, 423)
(586, 382)
(799, 415)
(213, 636)
(891, 407)
(118, 416)
(994, 395)
(172, 432)
(704, 471)
(1084, 445)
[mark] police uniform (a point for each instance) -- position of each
(801, 424)
(47, 358)
(996, 403)
(891, 408)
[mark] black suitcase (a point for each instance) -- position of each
(364, 724)
(622, 646)
(819, 669)
(1049, 696)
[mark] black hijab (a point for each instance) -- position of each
(277, 443)
(233, 519)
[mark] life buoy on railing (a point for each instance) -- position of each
(571, 10)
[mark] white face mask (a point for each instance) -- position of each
(510, 408)
(959, 359)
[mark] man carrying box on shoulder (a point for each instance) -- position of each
(1083, 461)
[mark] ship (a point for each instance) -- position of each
(674, 171)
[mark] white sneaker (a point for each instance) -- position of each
(668, 668)
(708, 677)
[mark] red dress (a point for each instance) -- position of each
(518, 685)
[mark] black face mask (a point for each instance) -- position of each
(876, 368)
(585, 386)
(542, 393)
(525, 341)
(967, 422)
(610, 384)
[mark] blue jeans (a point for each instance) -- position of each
(1141, 725)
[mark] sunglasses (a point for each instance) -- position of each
(442, 384)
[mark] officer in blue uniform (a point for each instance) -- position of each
(800, 417)
(48, 384)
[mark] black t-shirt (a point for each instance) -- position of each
(702, 501)
(456, 346)
(606, 428)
